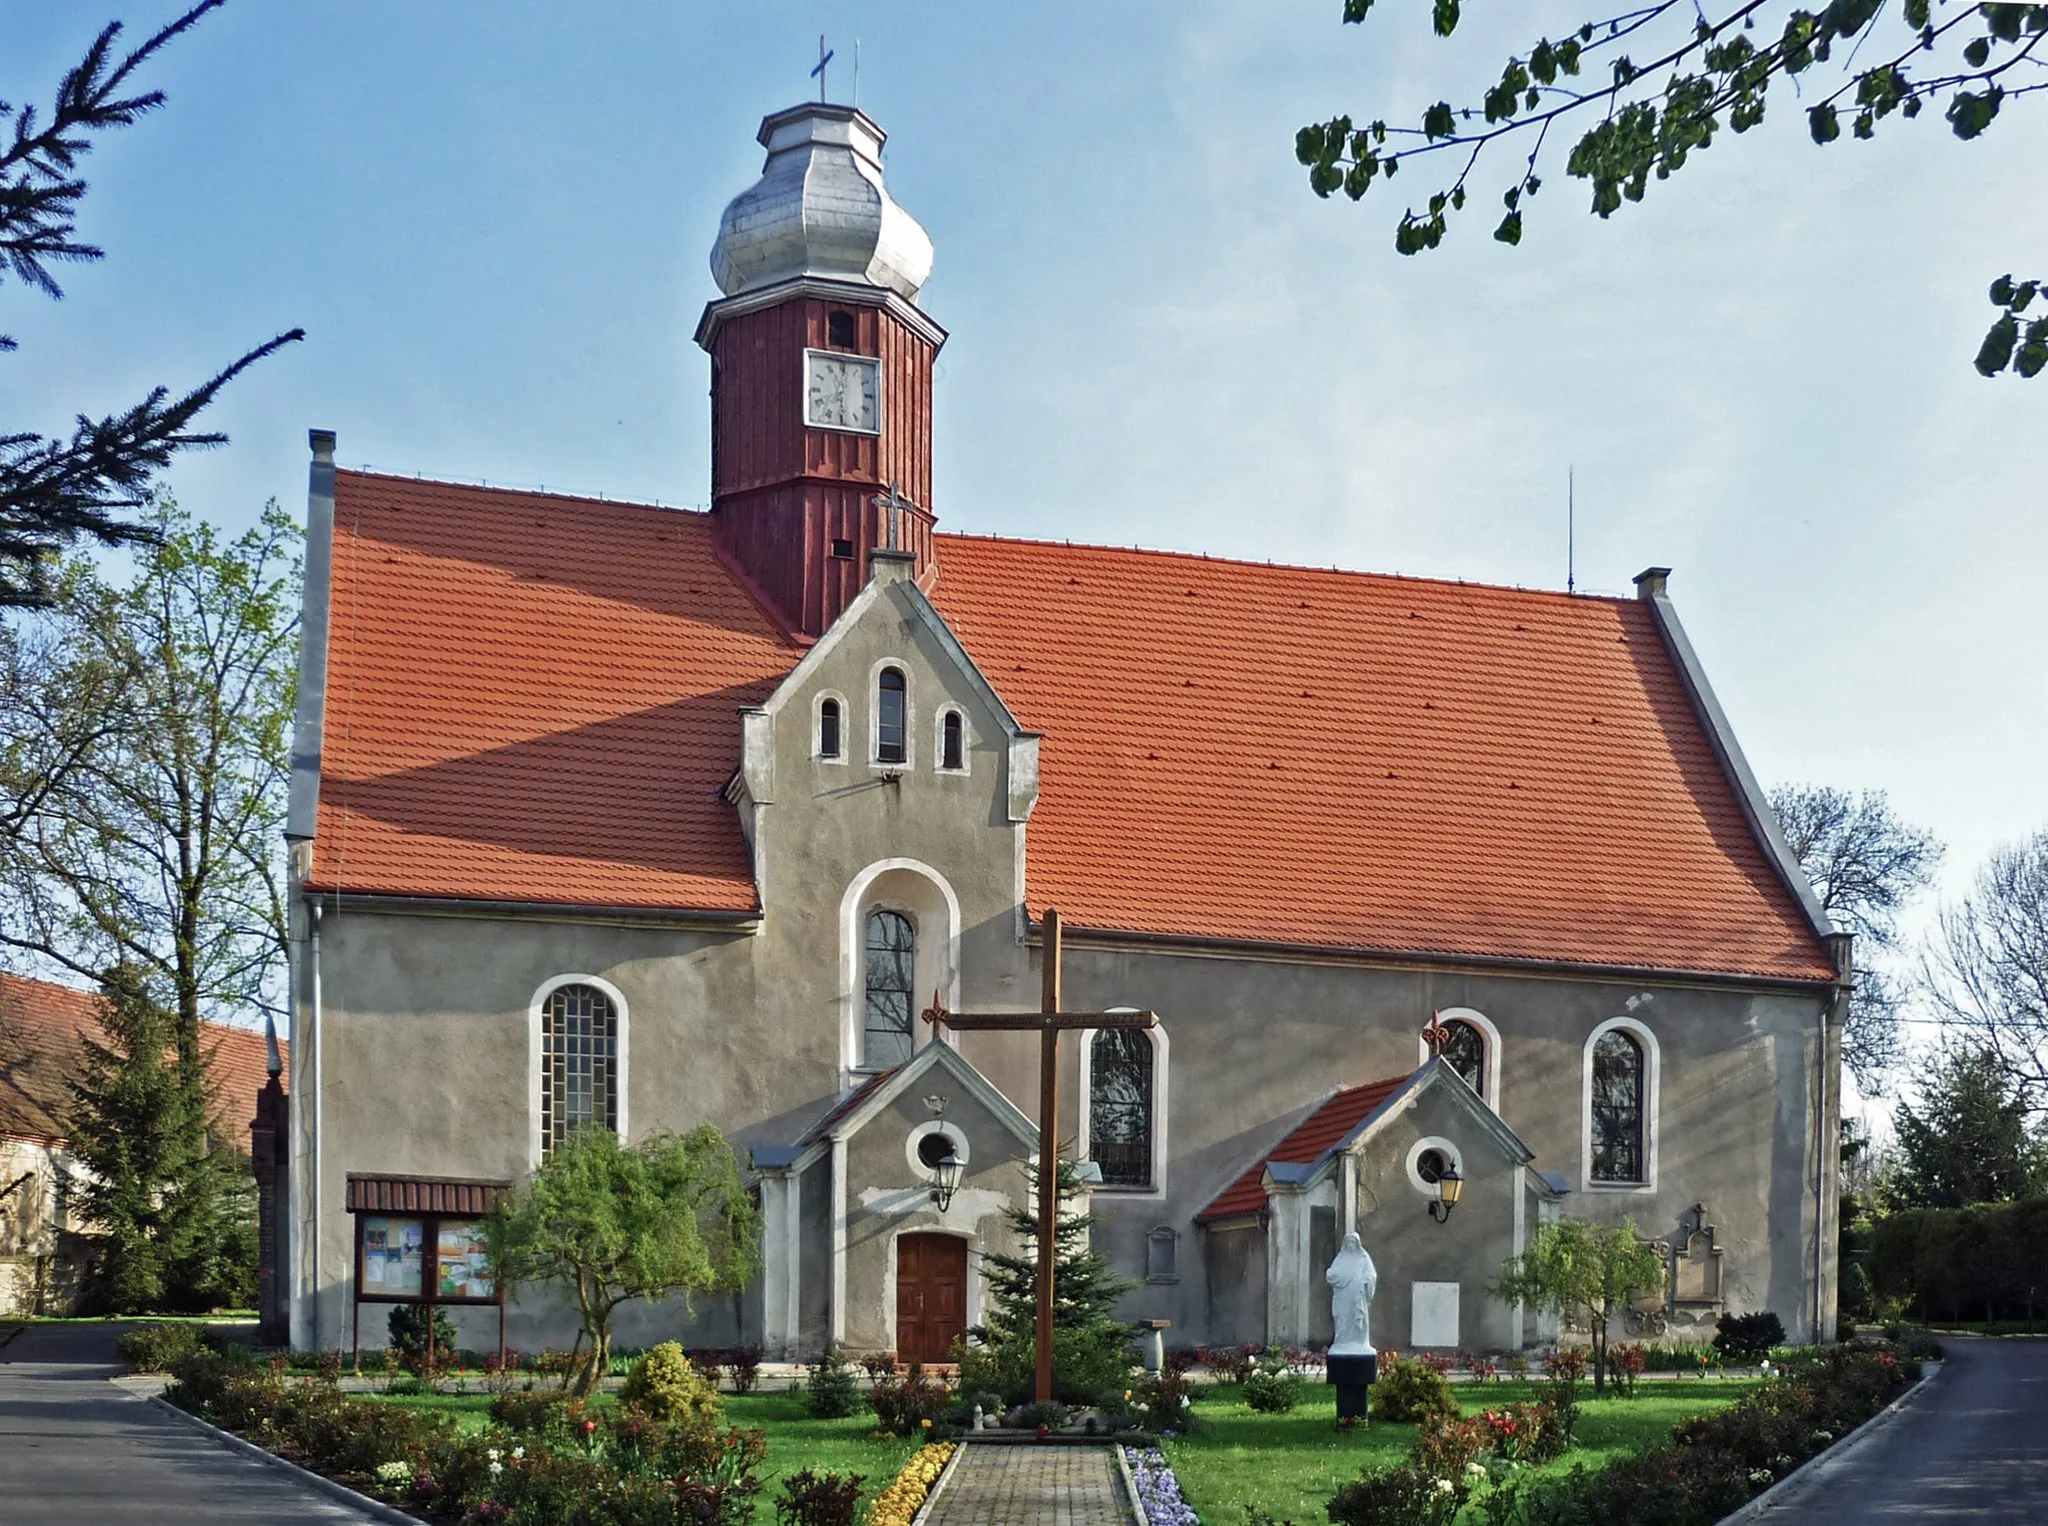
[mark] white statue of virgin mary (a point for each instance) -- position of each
(1352, 1281)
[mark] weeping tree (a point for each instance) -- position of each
(608, 1223)
(1588, 1273)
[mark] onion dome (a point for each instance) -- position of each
(820, 209)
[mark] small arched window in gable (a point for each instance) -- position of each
(1618, 1107)
(579, 1063)
(1465, 1052)
(828, 729)
(952, 741)
(890, 978)
(889, 716)
(1120, 1103)
(839, 330)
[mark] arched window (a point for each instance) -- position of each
(891, 974)
(1618, 1108)
(1465, 1052)
(952, 741)
(828, 729)
(889, 709)
(1120, 1106)
(579, 1063)
(839, 330)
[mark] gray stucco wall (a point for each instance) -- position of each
(429, 1031)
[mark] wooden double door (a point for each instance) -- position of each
(931, 1296)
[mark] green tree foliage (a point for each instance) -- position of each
(1985, 1262)
(1090, 1345)
(154, 721)
(1987, 972)
(607, 1223)
(173, 1212)
(1866, 865)
(1586, 1272)
(1969, 1139)
(1647, 87)
(54, 490)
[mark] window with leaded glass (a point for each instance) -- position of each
(579, 1063)
(828, 729)
(1618, 1085)
(952, 744)
(891, 979)
(1120, 1106)
(889, 701)
(1465, 1052)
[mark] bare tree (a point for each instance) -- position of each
(1865, 865)
(1986, 969)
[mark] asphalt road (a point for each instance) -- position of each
(77, 1451)
(1970, 1446)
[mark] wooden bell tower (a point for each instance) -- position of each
(821, 370)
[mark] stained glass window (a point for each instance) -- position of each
(579, 1063)
(1120, 1106)
(891, 977)
(1617, 1108)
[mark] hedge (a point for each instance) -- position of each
(1989, 1261)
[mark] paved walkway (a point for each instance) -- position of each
(1033, 1486)
(1971, 1446)
(77, 1451)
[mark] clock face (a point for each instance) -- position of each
(842, 392)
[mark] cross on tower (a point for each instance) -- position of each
(825, 57)
(893, 503)
(1436, 1035)
(1049, 1022)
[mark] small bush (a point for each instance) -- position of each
(1165, 1403)
(1411, 1392)
(530, 1412)
(833, 1391)
(1748, 1338)
(743, 1368)
(154, 1348)
(1402, 1496)
(1627, 1364)
(819, 1499)
(1052, 1415)
(1231, 1364)
(665, 1386)
(1272, 1388)
(408, 1327)
(911, 1403)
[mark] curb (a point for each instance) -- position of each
(1797, 1480)
(931, 1499)
(1123, 1473)
(376, 1509)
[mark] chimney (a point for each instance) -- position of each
(1650, 582)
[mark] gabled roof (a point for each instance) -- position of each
(1344, 1119)
(536, 698)
(851, 1112)
(42, 1029)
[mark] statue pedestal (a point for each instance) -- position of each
(1353, 1377)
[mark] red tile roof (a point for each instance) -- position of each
(41, 1028)
(845, 1105)
(534, 698)
(1306, 1143)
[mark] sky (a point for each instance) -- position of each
(492, 220)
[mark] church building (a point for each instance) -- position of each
(1458, 906)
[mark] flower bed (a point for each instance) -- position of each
(897, 1504)
(1158, 1490)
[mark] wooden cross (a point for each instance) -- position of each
(892, 504)
(1436, 1035)
(1048, 1022)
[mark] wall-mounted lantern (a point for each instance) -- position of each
(938, 1156)
(1450, 1186)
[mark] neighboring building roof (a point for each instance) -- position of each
(1305, 1144)
(535, 698)
(41, 1028)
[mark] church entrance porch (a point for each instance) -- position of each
(931, 1296)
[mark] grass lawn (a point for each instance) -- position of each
(1291, 1464)
(795, 1440)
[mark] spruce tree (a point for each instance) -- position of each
(1091, 1361)
(1969, 1140)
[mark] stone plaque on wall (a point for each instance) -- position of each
(1433, 1317)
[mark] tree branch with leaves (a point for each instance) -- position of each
(1705, 70)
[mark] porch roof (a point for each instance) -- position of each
(1306, 1143)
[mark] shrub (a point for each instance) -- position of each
(1411, 1392)
(819, 1499)
(153, 1348)
(408, 1327)
(879, 1365)
(743, 1368)
(531, 1412)
(1165, 1403)
(665, 1386)
(833, 1391)
(1747, 1338)
(1628, 1364)
(1091, 1365)
(1399, 1496)
(1273, 1387)
(911, 1403)
(1528, 1433)
(1052, 1415)
(1231, 1364)
(1182, 1360)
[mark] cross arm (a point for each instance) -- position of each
(1038, 1022)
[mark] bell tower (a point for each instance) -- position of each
(821, 370)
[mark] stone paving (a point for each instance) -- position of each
(1034, 1486)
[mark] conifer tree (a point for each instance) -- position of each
(1968, 1141)
(1090, 1345)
